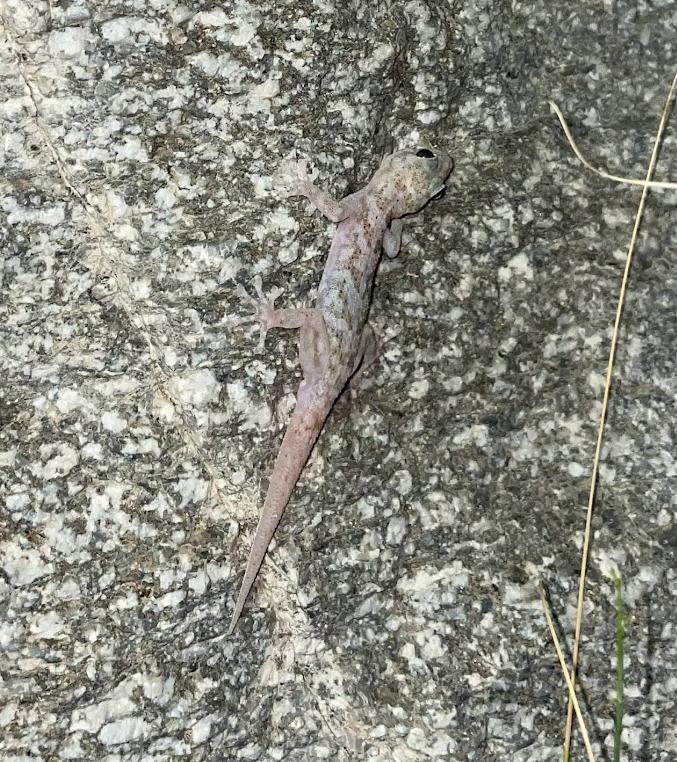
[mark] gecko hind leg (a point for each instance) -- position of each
(369, 351)
(314, 341)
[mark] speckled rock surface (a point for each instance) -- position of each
(396, 618)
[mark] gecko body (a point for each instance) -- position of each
(335, 338)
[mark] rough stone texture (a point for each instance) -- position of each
(396, 618)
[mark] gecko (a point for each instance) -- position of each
(335, 337)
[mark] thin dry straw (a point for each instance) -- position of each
(646, 184)
(565, 672)
(601, 172)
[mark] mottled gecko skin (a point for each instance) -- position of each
(335, 338)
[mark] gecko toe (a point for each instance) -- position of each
(263, 310)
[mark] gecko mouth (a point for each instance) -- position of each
(439, 193)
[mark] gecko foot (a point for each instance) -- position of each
(299, 181)
(264, 309)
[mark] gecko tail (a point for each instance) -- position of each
(299, 439)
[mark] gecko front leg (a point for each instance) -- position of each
(392, 239)
(333, 210)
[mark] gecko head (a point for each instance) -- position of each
(409, 179)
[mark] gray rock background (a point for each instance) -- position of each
(396, 618)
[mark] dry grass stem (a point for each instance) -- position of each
(601, 172)
(565, 672)
(605, 403)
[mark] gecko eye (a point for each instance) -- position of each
(424, 153)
